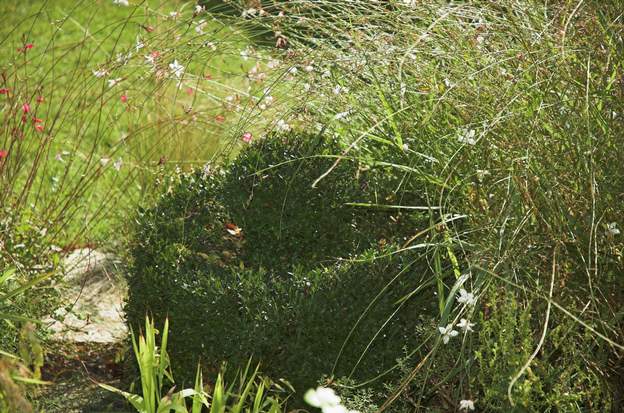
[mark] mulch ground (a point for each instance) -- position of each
(74, 370)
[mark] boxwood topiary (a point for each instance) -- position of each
(296, 326)
(251, 259)
(269, 194)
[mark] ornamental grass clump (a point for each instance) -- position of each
(508, 116)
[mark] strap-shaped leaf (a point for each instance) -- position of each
(135, 400)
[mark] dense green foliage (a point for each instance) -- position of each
(275, 290)
(432, 197)
(557, 378)
(518, 108)
(505, 119)
(26, 252)
(269, 192)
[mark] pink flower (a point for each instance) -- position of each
(189, 91)
(26, 107)
(4, 91)
(124, 98)
(36, 120)
(39, 127)
(219, 118)
(3, 153)
(39, 99)
(247, 137)
(26, 47)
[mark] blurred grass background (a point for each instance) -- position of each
(163, 124)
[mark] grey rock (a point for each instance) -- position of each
(94, 293)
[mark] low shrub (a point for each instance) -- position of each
(559, 378)
(296, 325)
(250, 258)
(264, 201)
(268, 191)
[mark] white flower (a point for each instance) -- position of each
(307, 87)
(251, 12)
(466, 405)
(613, 229)
(467, 137)
(117, 164)
(339, 89)
(59, 157)
(124, 58)
(104, 161)
(282, 126)
(466, 298)
(342, 115)
(255, 74)
(100, 73)
(198, 9)
(273, 63)
(308, 68)
(121, 2)
(482, 173)
(447, 332)
(465, 325)
(177, 69)
(151, 59)
(293, 71)
(174, 14)
(113, 82)
(139, 44)
(200, 26)
(321, 397)
(246, 53)
(266, 102)
(206, 171)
